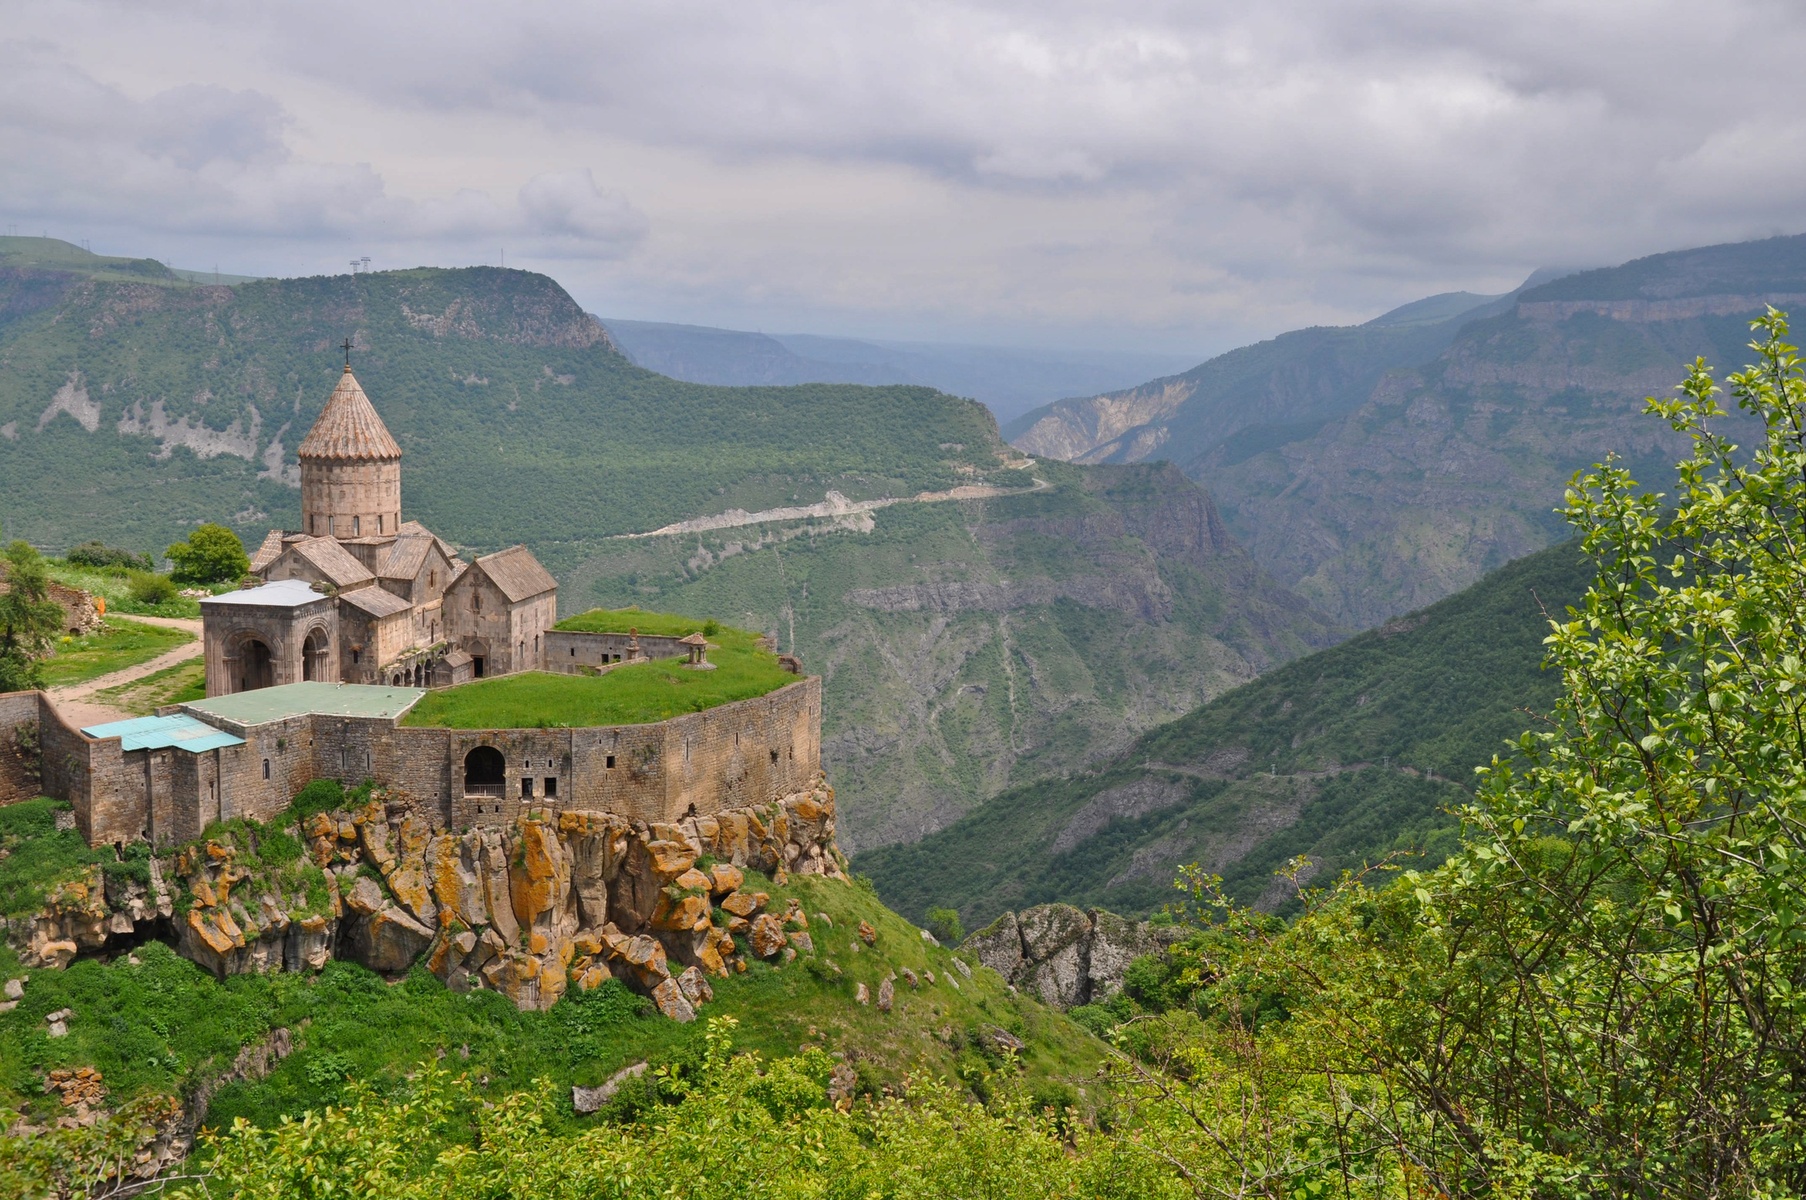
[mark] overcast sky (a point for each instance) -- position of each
(1176, 176)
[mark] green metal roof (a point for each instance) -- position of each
(159, 733)
(300, 699)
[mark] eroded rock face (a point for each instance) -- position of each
(531, 909)
(1066, 956)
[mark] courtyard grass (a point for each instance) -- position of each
(626, 695)
(172, 685)
(115, 646)
(623, 620)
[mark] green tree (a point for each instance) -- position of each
(29, 619)
(1604, 992)
(945, 925)
(212, 554)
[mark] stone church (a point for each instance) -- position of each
(358, 595)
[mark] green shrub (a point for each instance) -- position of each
(99, 554)
(276, 848)
(944, 924)
(212, 554)
(38, 854)
(151, 588)
(321, 795)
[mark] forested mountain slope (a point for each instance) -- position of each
(1440, 462)
(968, 643)
(1344, 755)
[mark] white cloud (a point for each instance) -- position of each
(1139, 169)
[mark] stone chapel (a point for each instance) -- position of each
(358, 595)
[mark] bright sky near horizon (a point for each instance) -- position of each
(1139, 175)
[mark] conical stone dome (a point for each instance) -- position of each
(348, 427)
(350, 469)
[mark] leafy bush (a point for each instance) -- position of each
(99, 554)
(944, 924)
(320, 795)
(151, 588)
(212, 554)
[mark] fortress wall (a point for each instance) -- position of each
(93, 775)
(750, 752)
(18, 778)
(619, 769)
(566, 650)
(420, 764)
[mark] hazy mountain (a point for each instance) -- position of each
(1377, 468)
(1007, 381)
(1012, 622)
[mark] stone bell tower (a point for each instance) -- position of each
(350, 469)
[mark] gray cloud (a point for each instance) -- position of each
(1181, 172)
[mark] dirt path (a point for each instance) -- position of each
(836, 505)
(76, 701)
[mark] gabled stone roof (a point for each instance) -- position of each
(269, 552)
(416, 529)
(376, 602)
(516, 572)
(348, 427)
(333, 561)
(405, 558)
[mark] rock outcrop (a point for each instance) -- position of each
(550, 902)
(1067, 956)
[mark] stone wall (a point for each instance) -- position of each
(18, 742)
(733, 756)
(567, 650)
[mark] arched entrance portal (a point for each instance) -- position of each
(255, 670)
(313, 656)
(484, 772)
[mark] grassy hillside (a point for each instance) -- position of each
(1043, 630)
(1344, 755)
(133, 411)
(968, 646)
(162, 1025)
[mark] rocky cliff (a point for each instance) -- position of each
(967, 646)
(528, 909)
(1067, 956)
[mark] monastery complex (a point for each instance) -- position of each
(354, 618)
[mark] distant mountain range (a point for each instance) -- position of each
(1007, 381)
(979, 619)
(1378, 467)
(1343, 757)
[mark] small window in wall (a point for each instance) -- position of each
(329, 529)
(357, 524)
(774, 756)
(266, 768)
(551, 787)
(379, 522)
(611, 762)
(526, 787)
(573, 652)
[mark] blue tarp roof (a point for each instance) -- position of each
(157, 733)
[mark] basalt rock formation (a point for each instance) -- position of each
(528, 909)
(1067, 956)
